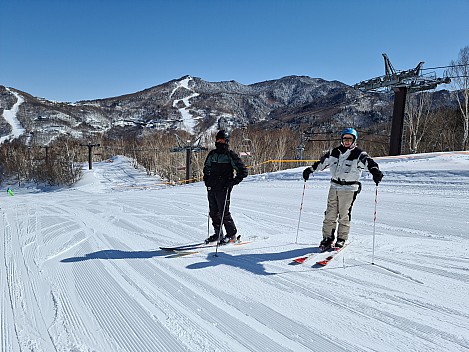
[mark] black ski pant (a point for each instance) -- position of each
(216, 200)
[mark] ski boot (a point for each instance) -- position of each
(212, 238)
(230, 239)
(326, 243)
(340, 243)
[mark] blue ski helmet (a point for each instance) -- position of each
(351, 131)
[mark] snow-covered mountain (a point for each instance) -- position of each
(196, 105)
(82, 271)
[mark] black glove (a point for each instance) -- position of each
(306, 173)
(230, 183)
(377, 177)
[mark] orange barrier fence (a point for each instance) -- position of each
(197, 179)
(283, 161)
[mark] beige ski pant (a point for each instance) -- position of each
(339, 209)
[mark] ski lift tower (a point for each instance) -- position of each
(90, 153)
(189, 148)
(401, 82)
(305, 136)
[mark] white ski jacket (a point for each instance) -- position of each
(347, 165)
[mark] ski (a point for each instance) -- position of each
(316, 251)
(201, 245)
(336, 251)
(198, 250)
(186, 252)
(301, 260)
(188, 247)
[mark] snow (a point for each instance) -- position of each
(10, 117)
(81, 268)
(188, 121)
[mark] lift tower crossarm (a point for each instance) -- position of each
(401, 82)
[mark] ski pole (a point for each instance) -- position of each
(301, 208)
(221, 223)
(374, 227)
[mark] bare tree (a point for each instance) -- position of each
(417, 115)
(459, 73)
(443, 132)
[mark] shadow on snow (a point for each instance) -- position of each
(116, 254)
(252, 262)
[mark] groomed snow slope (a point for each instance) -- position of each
(81, 269)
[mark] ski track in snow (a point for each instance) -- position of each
(82, 271)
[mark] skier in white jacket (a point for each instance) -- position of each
(346, 163)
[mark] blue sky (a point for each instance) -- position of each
(70, 50)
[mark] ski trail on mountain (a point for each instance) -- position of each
(183, 104)
(10, 117)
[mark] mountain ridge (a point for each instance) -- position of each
(196, 105)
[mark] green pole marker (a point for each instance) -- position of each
(10, 192)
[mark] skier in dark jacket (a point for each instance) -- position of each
(346, 163)
(223, 169)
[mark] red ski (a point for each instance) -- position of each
(326, 261)
(301, 260)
